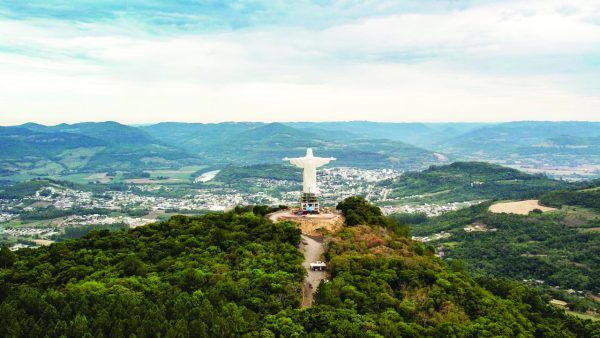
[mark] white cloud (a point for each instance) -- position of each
(401, 67)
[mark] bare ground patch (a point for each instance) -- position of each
(312, 225)
(519, 208)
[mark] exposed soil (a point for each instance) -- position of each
(519, 208)
(312, 225)
(312, 248)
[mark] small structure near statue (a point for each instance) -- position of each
(309, 201)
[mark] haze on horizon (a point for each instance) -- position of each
(258, 60)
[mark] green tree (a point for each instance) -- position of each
(7, 257)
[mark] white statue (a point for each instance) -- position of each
(310, 164)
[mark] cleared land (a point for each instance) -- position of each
(101, 177)
(153, 181)
(519, 208)
(43, 242)
(312, 225)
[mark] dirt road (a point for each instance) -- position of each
(312, 248)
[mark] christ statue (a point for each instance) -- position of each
(310, 164)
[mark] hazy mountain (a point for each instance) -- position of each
(506, 138)
(195, 137)
(542, 142)
(37, 150)
(419, 134)
(109, 132)
(271, 142)
(113, 146)
(18, 142)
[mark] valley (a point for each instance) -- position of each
(484, 219)
(318, 169)
(84, 151)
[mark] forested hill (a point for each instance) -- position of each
(235, 174)
(587, 196)
(29, 188)
(34, 150)
(218, 275)
(238, 274)
(462, 181)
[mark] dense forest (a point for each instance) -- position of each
(238, 274)
(554, 247)
(588, 197)
(215, 275)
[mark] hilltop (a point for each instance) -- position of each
(29, 188)
(236, 175)
(33, 150)
(463, 181)
(237, 274)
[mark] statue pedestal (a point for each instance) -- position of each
(309, 203)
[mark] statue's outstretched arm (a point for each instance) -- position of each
(295, 161)
(320, 161)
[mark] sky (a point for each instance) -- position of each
(273, 60)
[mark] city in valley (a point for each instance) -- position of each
(25, 222)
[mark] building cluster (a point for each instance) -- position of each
(29, 232)
(434, 237)
(478, 228)
(5, 217)
(95, 219)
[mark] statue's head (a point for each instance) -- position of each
(309, 152)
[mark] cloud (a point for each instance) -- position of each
(490, 61)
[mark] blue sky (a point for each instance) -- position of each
(210, 61)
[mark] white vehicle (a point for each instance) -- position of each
(318, 266)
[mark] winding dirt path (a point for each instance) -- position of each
(311, 245)
(313, 249)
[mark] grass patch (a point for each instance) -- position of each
(584, 315)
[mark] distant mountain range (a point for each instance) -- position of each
(561, 142)
(32, 150)
(36, 150)
(252, 143)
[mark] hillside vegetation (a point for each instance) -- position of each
(236, 175)
(559, 247)
(216, 275)
(588, 197)
(33, 150)
(238, 274)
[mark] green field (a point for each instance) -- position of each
(183, 173)
(584, 315)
